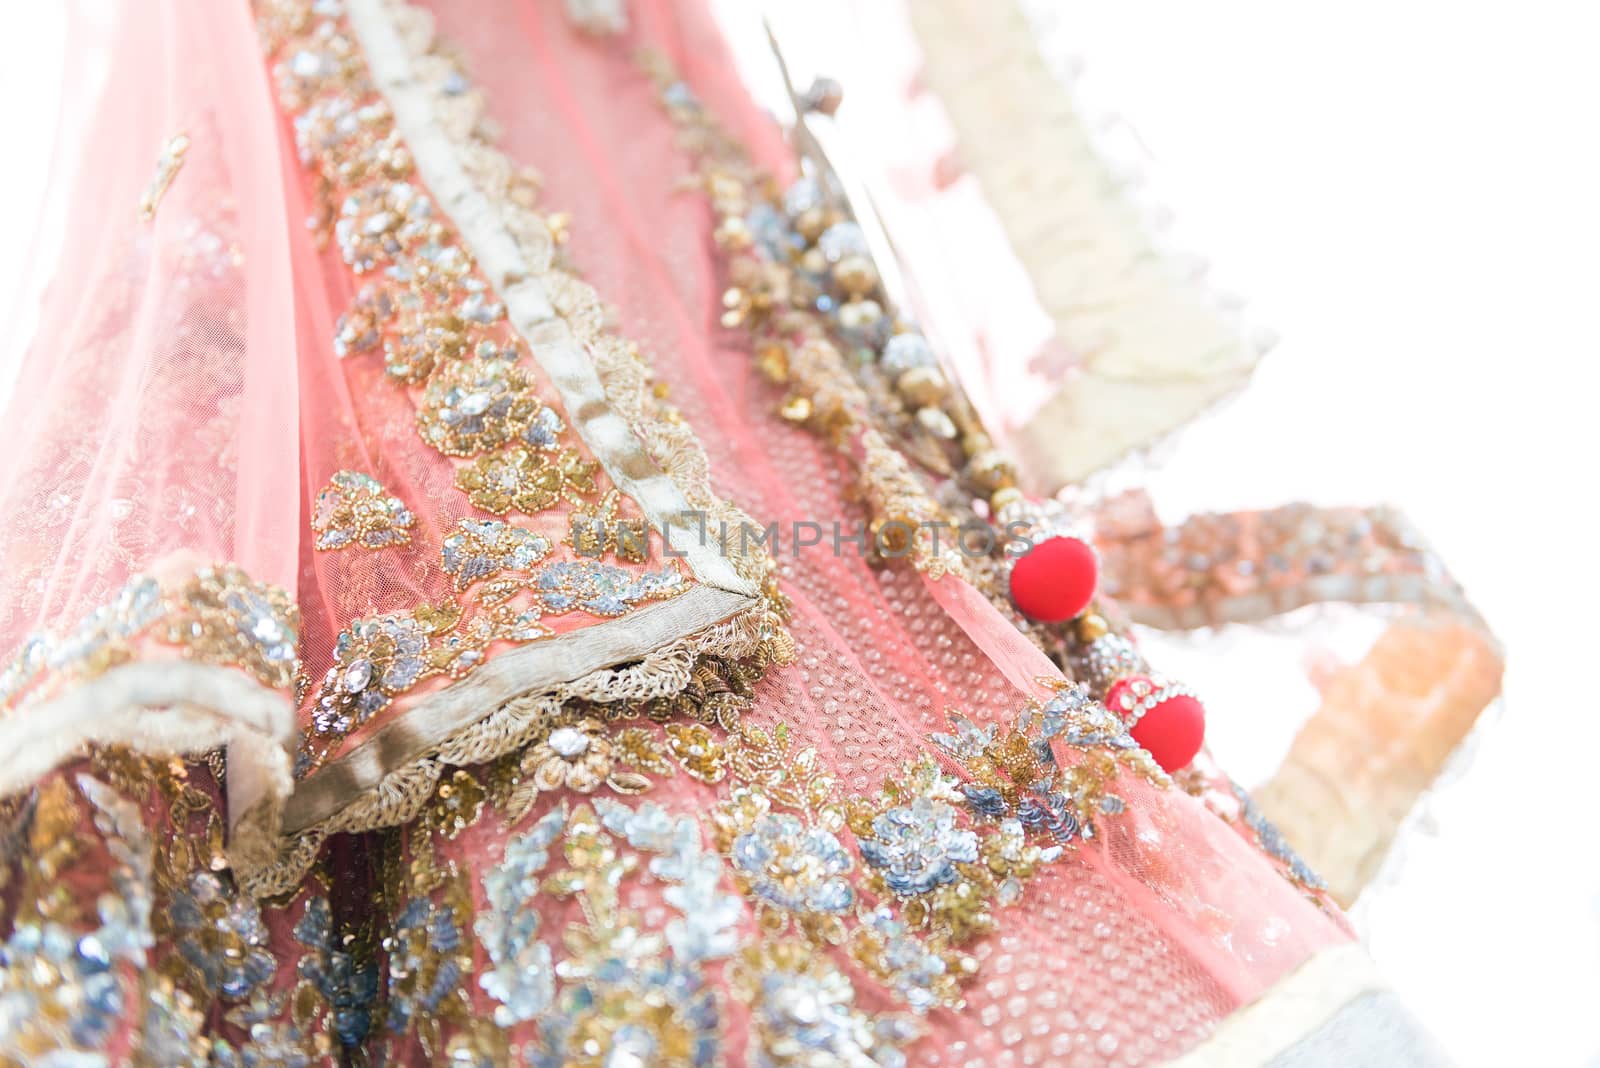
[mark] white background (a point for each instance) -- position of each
(1407, 194)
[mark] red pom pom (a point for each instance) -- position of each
(1054, 580)
(1168, 721)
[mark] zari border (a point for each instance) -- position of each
(392, 776)
(529, 293)
(562, 663)
(167, 707)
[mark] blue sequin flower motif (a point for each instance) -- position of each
(84, 989)
(222, 935)
(424, 964)
(916, 847)
(521, 977)
(603, 589)
(794, 867)
(348, 986)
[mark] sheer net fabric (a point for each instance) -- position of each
(1130, 950)
(184, 401)
(158, 404)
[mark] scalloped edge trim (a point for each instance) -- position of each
(517, 718)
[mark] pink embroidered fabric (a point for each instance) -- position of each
(184, 401)
(1132, 950)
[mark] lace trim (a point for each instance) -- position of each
(519, 718)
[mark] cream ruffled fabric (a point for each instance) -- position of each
(1152, 350)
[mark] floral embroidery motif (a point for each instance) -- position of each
(472, 406)
(221, 936)
(922, 976)
(378, 658)
(482, 548)
(170, 1028)
(630, 999)
(60, 992)
(581, 757)
(355, 509)
(521, 977)
(379, 222)
(1014, 775)
(701, 755)
(901, 881)
(346, 982)
(928, 885)
(916, 847)
(526, 480)
(222, 617)
(168, 947)
(803, 1011)
(603, 589)
(597, 529)
(457, 800)
(429, 957)
(375, 660)
(421, 340)
(360, 329)
(951, 898)
(794, 868)
(275, 1042)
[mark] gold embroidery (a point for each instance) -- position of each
(580, 757)
(441, 326)
(597, 528)
(355, 509)
(169, 942)
(472, 406)
(457, 801)
(167, 167)
(482, 548)
(218, 615)
(526, 480)
(222, 617)
(698, 750)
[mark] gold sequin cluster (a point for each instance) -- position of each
(899, 882)
(170, 947)
(423, 305)
(216, 615)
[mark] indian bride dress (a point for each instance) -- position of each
(493, 573)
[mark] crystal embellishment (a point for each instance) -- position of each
(355, 510)
(482, 548)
